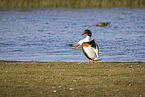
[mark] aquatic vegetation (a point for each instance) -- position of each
(102, 24)
(71, 3)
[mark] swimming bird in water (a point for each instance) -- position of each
(90, 48)
(102, 24)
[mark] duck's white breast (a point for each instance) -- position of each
(89, 51)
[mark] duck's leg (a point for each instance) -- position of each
(92, 61)
(88, 61)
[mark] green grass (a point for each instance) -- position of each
(68, 79)
(71, 3)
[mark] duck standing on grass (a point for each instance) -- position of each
(90, 48)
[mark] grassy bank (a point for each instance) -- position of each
(71, 3)
(54, 79)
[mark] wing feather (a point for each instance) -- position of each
(76, 46)
(95, 47)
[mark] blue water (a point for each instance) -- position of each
(44, 34)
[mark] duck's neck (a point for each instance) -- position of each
(88, 38)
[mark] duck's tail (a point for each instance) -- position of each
(97, 59)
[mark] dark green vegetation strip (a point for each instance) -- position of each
(71, 3)
(54, 79)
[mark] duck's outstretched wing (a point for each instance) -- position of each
(76, 46)
(95, 47)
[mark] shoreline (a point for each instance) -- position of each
(72, 62)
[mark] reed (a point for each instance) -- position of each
(71, 3)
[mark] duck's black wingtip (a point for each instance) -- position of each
(71, 45)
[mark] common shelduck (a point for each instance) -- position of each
(90, 48)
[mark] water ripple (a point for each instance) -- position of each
(44, 35)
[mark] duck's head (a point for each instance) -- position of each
(88, 32)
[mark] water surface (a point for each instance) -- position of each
(44, 34)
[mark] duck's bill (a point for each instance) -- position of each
(84, 33)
